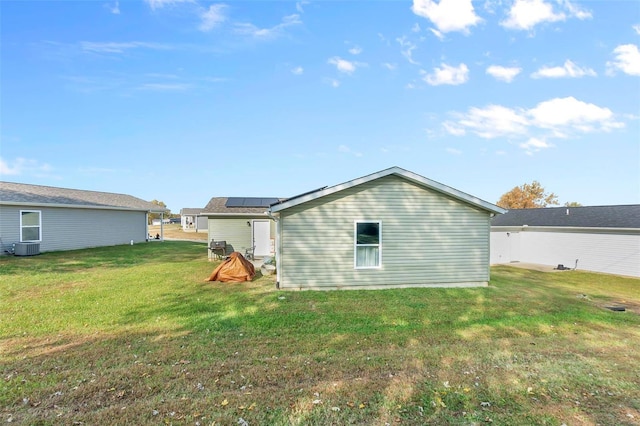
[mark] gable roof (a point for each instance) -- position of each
(21, 194)
(396, 171)
(621, 216)
(217, 206)
(190, 211)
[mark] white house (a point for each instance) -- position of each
(598, 238)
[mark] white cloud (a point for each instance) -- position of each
(344, 66)
(347, 150)
(535, 145)
(356, 50)
(407, 49)
(297, 71)
(503, 73)
(437, 33)
(299, 5)
(21, 166)
(415, 28)
(390, 66)
(120, 47)
(159, 4)
(526, 14)
(447, 74)
(636, 28)
(251, 30)
(569, 69)
(454, 151)
(332, 82)
(166, 87)
(627, 60)
(492, 122)
(447, 15)
(564, 114)
(556, 118)
(115, 9)
(575, 11)
(212, 17)
(453, 129)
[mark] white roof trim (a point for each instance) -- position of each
(410, 176)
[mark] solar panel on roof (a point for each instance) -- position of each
(250, 201)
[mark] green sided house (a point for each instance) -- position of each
(240, 224)
(35, 218)
(390, 229)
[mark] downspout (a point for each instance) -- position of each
(276, 219)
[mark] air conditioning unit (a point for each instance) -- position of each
(26, 249)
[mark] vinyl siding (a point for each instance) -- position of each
(427, 239)
(70, 229)
(234, 231)
(607, 252)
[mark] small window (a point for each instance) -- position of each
(368, 239)
(30, 225)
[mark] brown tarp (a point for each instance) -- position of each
(234, 269)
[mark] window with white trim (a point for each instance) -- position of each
(368, 243)
(30, 225)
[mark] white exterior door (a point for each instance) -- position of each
(262, 237)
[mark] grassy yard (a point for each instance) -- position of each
(134, 335)
(174, 231)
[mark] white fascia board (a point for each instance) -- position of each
(420, 180)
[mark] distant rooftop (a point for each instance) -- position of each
(191, 211)
(25, 194)
(239, 205)
(621, 216)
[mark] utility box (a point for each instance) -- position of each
(26, 249)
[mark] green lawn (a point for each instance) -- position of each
(134, 335)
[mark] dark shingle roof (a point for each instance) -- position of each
(622, 216)
(218, 205)
(24, 194)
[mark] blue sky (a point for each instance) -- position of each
(182, 101)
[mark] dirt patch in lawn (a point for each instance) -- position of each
(618, 305)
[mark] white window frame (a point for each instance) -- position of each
(356, 245)
(39, 226)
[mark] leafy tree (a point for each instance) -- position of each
(572, 204)
(157, 215)
(527, 196)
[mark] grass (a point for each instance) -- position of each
(133, 334)
(174, 231)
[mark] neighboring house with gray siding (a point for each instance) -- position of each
(69, 219)
(191, 220)
(243, 223)
(594, 238)
(390, 229)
